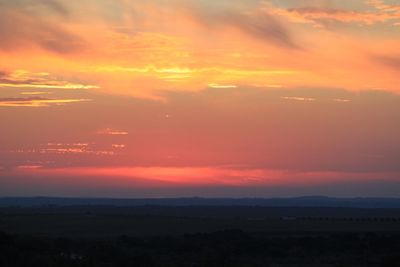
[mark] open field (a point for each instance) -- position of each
(199, 236)
(155, 221)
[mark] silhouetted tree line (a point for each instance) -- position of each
(226, 248)
(353, 219)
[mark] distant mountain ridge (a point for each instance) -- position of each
(306, 201)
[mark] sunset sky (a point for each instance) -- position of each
(168, 98)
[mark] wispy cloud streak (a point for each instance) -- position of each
(37, 102)
(27, 79)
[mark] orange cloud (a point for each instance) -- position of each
(109, 131)
(142, 52)
(29, 167)
(67, 149)
(318, 16)
(297, 98)
(381, 5)
(118, 146)
(35, 93)
(37, 102)
(27, 79)
(21, 28)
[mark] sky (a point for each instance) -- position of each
(172, 98)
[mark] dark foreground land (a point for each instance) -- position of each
(198, 236)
